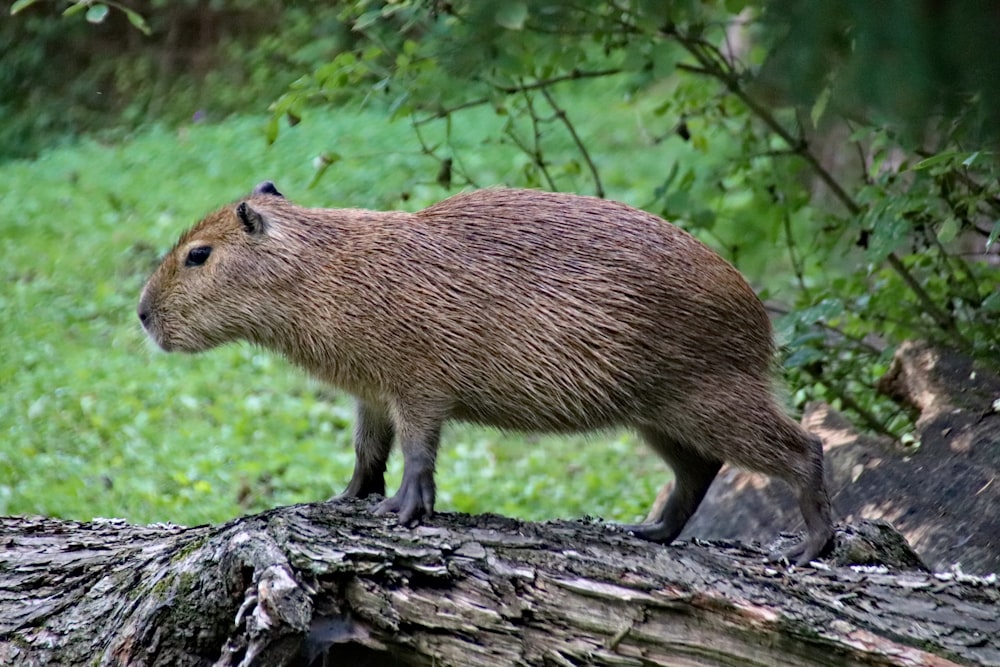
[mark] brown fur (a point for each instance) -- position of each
(519, 309)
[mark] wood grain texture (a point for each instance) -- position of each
(327, 584)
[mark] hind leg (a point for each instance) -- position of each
(693, 474)
(814, 503)
(769, 442)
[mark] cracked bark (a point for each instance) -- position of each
(329, 584)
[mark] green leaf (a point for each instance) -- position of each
(803, 356)
(816, 114)
(700, 142)
(321, 164)
(21, 5)
(826, 310)
(888, 233)
(948, 230)
(635, 58)
(365, 20)
(863, 132)
(135, 18)
(991, 304)
(75, 8)
(935, 160)
(512, 15)
(969, 160)
(97, 13)
(271, 129)
(703, 218)
(666, 55)
(677, 204)
(994, 235)
(399, 106)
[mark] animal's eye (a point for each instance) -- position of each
(198, 255)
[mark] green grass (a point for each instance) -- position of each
(95, 422)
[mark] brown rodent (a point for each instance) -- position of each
(512, 308)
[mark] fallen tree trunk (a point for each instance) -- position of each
(333, 585)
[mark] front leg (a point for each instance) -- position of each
(373, 435)
(418, 438)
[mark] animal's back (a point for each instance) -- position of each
(542, 310)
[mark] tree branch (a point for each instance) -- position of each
(561, 114)
(512, 90)
(573, 75)
(535, 150)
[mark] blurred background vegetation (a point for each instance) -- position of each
(842, 154)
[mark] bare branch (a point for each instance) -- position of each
(561, 114)
(574, 75)
(536, 151)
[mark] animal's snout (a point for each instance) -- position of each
(144, 310)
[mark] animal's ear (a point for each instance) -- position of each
(267, 188)
(253, 221)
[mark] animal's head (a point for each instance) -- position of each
(209, 289)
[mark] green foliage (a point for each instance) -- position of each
(89, 67)
(898, 62)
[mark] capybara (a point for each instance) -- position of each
(518, 309)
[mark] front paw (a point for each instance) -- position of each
(413, 500)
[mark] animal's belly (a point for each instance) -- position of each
(558, 412)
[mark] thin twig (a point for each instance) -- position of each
(800, 147)
(561, 114)
(862, 158)
(792, 255)
(943, 319)
(456, 155)
(840, 393)
(536, 152)
(546, 83)
(431, 152)
(512, 90)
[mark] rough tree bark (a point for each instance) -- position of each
(333, 585)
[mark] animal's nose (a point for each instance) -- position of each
(143, 309)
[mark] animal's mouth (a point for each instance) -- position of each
(173, 343)
(177, 337)
(164, 343)
(153, 328)
(157, 335)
